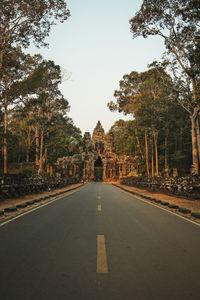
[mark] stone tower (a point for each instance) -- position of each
(97, 159)
(98, 133)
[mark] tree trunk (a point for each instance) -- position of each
(195, 157)
(166, 154)
(5, 171)
(152, 158)
(47, 134)
(48, 168)
(28, 144)
(198, 136)
(1, 59)
(147, 156)
(45, 155)
(41, 148)
(27, 155)
(37, 146)
(139, 146)
(155, 135)
(51, 170)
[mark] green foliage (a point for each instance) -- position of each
(161, 103)
(150, 98)
(59, 145)
(178, 23)
(23, 20)
(30, 96)
(26, 172)
(124, 140)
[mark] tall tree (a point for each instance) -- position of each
(149, 97)
(178, 23)
(63, 135)
(23, 20)
(44, 101)
(16, 67)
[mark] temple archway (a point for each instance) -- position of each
(98, 169)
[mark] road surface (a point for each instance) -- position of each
(99, 243)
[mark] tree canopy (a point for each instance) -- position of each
(35, 123)
(24, 20)
(159, 127)
(178, 23)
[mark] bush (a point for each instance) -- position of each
(26, 172)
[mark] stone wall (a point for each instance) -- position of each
(12, 186)
(188, 186)
(98, 147)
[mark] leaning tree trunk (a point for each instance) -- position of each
(195, 157)
(147, 150)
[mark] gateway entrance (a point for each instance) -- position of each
(98, 169)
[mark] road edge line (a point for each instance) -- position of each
(39, 206)
(169, 211)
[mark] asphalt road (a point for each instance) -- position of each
(99, 243)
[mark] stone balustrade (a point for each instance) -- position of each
(188, 186)
(12, 186)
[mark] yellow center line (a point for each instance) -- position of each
(102, 266)
(99, 207)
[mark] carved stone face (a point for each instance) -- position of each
(99, 147)
(87, 136)
(111, 165)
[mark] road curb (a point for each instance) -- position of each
(157, 201)
(164, 203)
(173, 206)
(21, 205)
(196, 215)
(31, 202)
(38, 200)
(10, 209)
(184, 210)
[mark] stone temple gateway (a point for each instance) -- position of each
(97, 159)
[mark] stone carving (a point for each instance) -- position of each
(188, 186)
(97, 159)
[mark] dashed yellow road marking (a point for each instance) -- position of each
(102, 266)
(99, 207)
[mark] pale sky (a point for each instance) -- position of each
(96, 47)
